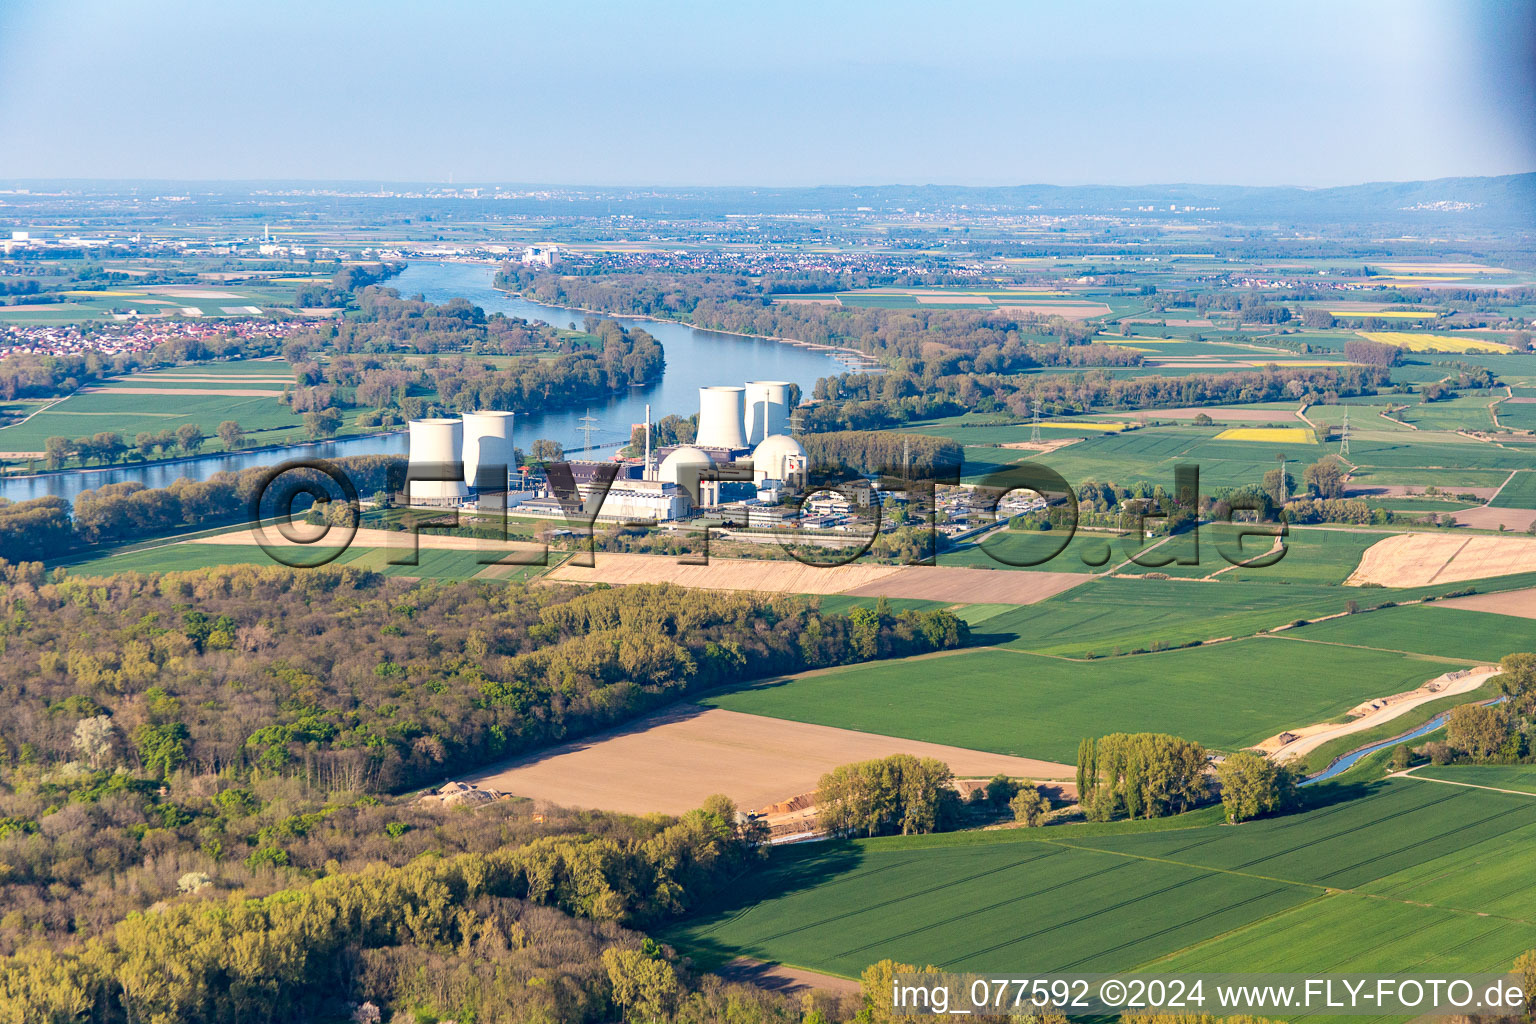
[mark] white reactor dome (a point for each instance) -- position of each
(682, 467)
(487, 444)
(779, 457)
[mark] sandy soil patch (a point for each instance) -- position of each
(1519, 603)
(672, 760)
(971, 586)
(1373, 713)
(1078, 311)
(789, 981)
(1418, 559)
(367, 538)
(777, 577)
(1042, 446)
(226, 392)
(1517, 519)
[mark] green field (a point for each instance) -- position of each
(434, 563)
(1397, 879)
(1520, 492)
(1519, 777)
(264, 418)
(1226, 695)
(1425, 629)
(1118, 616)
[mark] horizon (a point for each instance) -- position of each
(748, 186)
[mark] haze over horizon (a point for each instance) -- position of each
(682, 94)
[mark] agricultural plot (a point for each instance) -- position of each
(181, 557)
(1469, 412)
(1119, 616)
(1227, 695)
(164, 401)
(1209, 898)
(1519, 777)
(1151, 453)
(1426, 629)
(1415, 341)
(1520, 492)
(1085, 552)
(1519, 415)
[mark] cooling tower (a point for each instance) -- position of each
(721, 418)
(767, 409)
(436, 446)
(487, 449)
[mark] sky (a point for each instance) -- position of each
(768, 93)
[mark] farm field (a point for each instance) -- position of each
(1520, 492)
(1227, 695)
(1428, 629)
(1087, 551)
(1118, 616)
(198, 299)
(434, 563)
(1415, 341)
(652, 764)
(1208, 898)
(1151, 453)
(1469, 412)
(205, 394)
(1418, 559)
(1521, 777)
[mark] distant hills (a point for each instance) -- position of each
(1441, 205)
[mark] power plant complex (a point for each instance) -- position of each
(741, 456)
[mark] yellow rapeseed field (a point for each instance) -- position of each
(1433, 342)
(1080, 425)
(1271, 435)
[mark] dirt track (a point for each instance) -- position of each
(672, 760)
(1309, 738)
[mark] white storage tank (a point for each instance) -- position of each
(722, 417)
(767, 409)
(487, 449)
(436, 449)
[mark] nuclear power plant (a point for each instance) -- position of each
(741, 457)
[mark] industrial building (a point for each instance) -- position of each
(740, 456)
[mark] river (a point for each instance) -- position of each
(695, 359)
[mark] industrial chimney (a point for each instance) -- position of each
(721, 417)
(767, 409)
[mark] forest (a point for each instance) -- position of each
(536, 929)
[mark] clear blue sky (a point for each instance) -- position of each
(781, 92)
